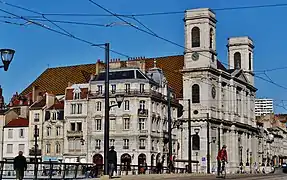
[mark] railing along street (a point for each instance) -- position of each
(57, 170)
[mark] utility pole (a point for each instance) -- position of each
(208, 145)
(107, 109)
(169, 129)
(35, 151)
(189, 137)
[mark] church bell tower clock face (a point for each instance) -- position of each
(213, 92)
(195, 56)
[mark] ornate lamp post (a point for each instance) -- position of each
(6, 56)
(247, 157)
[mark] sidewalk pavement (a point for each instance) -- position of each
(177, 176)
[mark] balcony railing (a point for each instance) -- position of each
(32, 152)
(74, 133)
(132, 93)
(142, 112)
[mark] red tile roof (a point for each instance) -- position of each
(58, 105)
(19, 122)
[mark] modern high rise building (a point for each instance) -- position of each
(263, 106)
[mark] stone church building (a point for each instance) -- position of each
(222, 97)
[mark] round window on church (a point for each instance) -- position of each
(195, 112)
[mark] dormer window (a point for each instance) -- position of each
(77, 95)
(54, 116)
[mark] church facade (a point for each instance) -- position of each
(222, 99)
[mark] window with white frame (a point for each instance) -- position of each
(98, 106)
(36, 117)
(48, 131)
(10, 133)
(76, 108)
(71, 145)
(126, 105)
(142, 143)
(126, 144)
(58, 131)
(100, 89)
(78, 144)
(141, 123)
(112, 142)
(98, 124)
(114, 88)
(113, 124)
(127, 88)
(9, 148)
(79, 108)
(98, 144)
(77, 95)
(112, 103)
(21, 133)
(126, 123)
(21, 147)
(54, 115)
(142, 104)
(48, 148)
(141, 88)
(58, 148)
(73, 108)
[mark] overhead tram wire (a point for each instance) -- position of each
(62, 33)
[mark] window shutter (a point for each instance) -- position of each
(47, 115)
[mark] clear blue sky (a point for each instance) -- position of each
(37, 48)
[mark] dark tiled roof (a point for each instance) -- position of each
(19, 122)
(55, 80)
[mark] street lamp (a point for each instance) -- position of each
(119, 99)
(241, 162)
(247, 157)
(6, 56)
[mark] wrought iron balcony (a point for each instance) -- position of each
(142, 112)
(74, 133)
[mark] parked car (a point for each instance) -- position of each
(284, 168)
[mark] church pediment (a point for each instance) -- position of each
(238, 74)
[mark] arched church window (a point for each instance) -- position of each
(195, 93)
(237, 60)
(250, 61)
(211, 38)
(195, 36)
(195, 142)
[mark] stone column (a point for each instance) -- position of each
(232, 149)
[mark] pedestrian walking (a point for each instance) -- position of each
(112, 161)
(20, 165)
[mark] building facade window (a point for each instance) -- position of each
(21, 147)
(114, 88)
(58, 131)
(195, 90)
(126, 105)
(77, 95)
(250, 62)
(142, 104)
(237, 60)
(141, 123)
(211, 34)
(113, 108)
(112, 124)
(54, 115)
(98, 124)
(195, 37)
(76, 108)
(10, 133)
(58, 148)
(21, 133)
(127, 88)
(112, 142)
(100, 89)
(9, 148)
(142, 89)
(142, 144)
(98, 144)
(36, 117)
(48, 131)
(98, 106)
(126, 144)
(126, 123)
(48, 148)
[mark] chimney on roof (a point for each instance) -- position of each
(50, 99)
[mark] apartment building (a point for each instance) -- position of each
(263, 107)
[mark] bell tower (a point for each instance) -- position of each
(240, 56)
(200, 44)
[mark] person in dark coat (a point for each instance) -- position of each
(112, 161)
(20, 165)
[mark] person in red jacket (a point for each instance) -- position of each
(222, 156)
